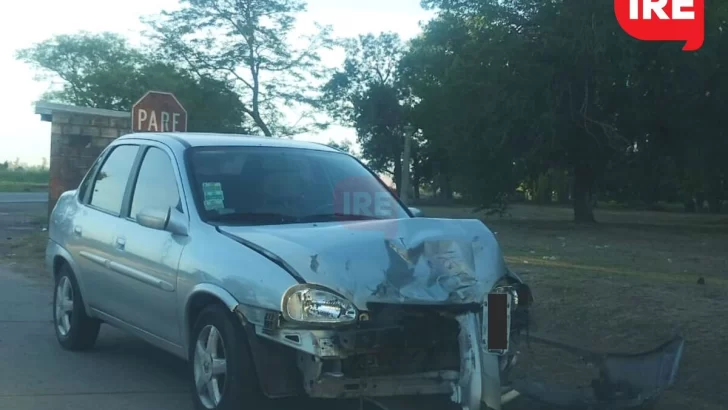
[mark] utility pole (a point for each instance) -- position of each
(404, 191)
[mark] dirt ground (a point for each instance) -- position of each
(626, 284)
(23, 237)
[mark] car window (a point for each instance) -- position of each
(110, 181)
(88, 179)
(156, 185)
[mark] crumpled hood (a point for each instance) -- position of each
(412, 261)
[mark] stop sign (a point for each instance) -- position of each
(158, 112)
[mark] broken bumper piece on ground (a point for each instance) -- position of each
(626, 381)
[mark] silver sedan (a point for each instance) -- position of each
(279, 268)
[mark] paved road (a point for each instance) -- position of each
(23, 197)
(120, 373)
(35, 373)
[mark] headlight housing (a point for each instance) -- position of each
(317, 305)
(520, 292)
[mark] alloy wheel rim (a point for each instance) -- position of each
(210, 366)
(64, 305)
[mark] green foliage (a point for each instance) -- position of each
(509, 91)
(366, 94)
(104, 71)
(343, 146)
(461, 107)
(247, 43)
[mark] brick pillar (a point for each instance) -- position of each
(78, 135)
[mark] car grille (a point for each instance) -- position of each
(405, 340)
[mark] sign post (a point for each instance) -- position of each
(158, 111)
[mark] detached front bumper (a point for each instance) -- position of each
(626, 381)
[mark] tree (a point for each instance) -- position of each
(544, 82)
(103, 71)
(343, 146)
(454, 71)
(246, 43)
(94, 68)
(558, 87)
(366, 95)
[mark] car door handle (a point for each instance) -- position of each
(77, 230)
(120, 243)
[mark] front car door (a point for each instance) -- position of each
(147, 259)
(101, 196)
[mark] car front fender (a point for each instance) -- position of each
(203, 289)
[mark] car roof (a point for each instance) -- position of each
(203, 139)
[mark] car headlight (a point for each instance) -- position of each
(316, 304)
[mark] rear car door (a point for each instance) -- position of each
(147, 258)
(95, 223)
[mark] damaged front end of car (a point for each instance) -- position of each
(434, 313)
(396, 351)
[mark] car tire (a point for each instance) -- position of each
(218, 337)
(75, 330)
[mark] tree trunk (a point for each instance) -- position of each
(714, 204)
(440, 183)
(445, 187)
(689, 204)
(583, 182)
(397, 177)
(561, 182)
(699, 201)
(416, 171)
(261, 124)
(715, 197)
(542, 189)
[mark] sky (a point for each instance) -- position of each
(24, 136)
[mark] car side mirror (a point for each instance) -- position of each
(169, 219)
(416, 212)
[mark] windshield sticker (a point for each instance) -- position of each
(214, 204)
(214, 197)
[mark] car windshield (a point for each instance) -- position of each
(275, 185)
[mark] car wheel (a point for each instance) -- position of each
(221, 367)
(75, 330)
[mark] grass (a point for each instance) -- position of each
(23, 180)
(11, 186)
(626, 284)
